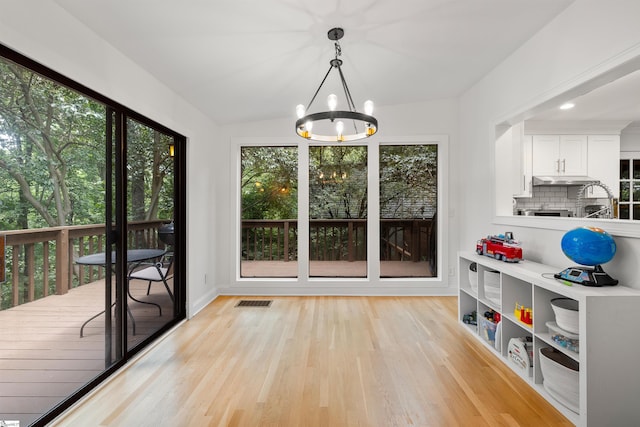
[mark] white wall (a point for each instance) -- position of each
(587, 39)
(630, 138)
(47, 34)
(400, 122)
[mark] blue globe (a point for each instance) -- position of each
(588, 245)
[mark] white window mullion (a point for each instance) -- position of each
(303, 213)
(373, 212)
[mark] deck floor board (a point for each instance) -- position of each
(43, 360)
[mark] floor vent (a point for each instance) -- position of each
(254, 303)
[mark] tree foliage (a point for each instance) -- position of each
(53, 161)
(51, 152)
(408, 181)
(150, 173)
(269, 182)
(338, 182)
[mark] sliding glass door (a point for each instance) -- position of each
(92, 213)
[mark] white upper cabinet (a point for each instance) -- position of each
(559, 155)
(604, 164)
(524, 185)
(520, 162)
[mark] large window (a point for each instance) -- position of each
(88, 198)
(408, 207)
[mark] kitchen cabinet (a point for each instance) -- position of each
(604, 164)
(608, 374)
(521, 162)
(559, 155)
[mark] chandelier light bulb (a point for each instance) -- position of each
(332, 101)
(308, 126)
(300, 111)
(339, 127)
(368, 107)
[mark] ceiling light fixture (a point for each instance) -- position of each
(333, 125)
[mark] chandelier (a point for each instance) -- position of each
(329, 126)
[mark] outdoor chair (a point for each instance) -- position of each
(161, 271)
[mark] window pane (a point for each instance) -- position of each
(52, 150)
(338, 211)
(149, 212)
(636, 191)
(408, 206)
(624, 191)
(624, 169)
(636, 169)
(623, 210)
(269, 199)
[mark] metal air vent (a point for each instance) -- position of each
(254, 303)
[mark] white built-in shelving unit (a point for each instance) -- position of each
(609, 341)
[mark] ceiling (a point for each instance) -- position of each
(617, 100)
(242, 60)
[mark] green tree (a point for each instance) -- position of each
(408, 181)
(150, 171)
(338, 182)
(269, 182)
(52, 149)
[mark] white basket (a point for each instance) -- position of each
(559, 378)
(473, 280)
(492, 286)
(566, 311)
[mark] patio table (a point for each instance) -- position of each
(135, 257)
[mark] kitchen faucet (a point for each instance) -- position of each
(607, 211)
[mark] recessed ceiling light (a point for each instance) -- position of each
(567, 106)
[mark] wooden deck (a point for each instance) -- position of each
(334, 269)
(42, 357)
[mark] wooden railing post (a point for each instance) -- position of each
(415, 241)
(15, 275)
(286, 241)
(29, 255)
(350, 243)
(45, 269)
(63, 278)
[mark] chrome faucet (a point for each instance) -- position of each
(606, 212)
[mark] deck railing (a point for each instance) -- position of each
(336, 239)
(31, 254)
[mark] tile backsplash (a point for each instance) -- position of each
(552, 197)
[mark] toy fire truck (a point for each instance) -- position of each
(502, 247)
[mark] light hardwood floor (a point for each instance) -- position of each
(318, 361)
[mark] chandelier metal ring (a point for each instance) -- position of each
(371, 125)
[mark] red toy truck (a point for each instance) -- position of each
(502, 247)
